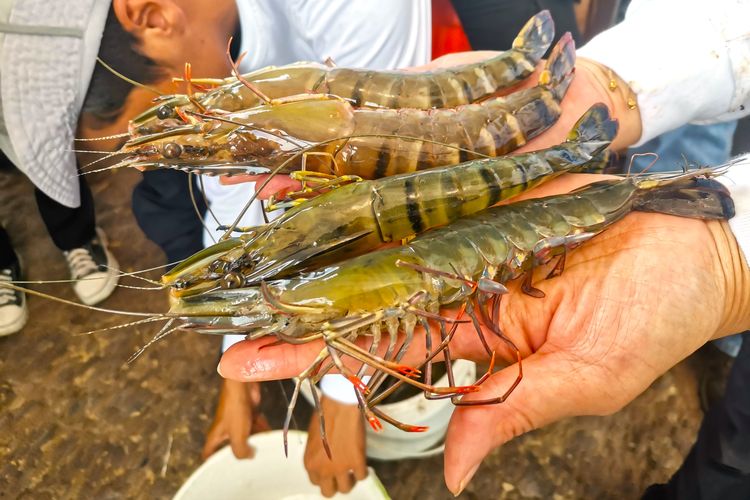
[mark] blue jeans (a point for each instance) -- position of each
(695, 144)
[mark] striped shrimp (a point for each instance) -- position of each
(468, 262)
(356, 218)
(439, 88)
(326, 134)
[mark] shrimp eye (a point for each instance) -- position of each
(163, 112)
(172, 150)
(232, 280)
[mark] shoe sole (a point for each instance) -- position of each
(17, 325)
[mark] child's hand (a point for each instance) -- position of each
(345, 431)
(236, 418)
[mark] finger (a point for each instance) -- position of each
(214, 439)
(276, 184)
(327, 486)
(254, 392)
(360, 471)
(554, 386)
(254, 360)
(345, 482)
(314, 476)
(238, 433)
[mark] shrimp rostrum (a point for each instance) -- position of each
(326, 134)
(467, 262)
(356, 218)
(438, 88)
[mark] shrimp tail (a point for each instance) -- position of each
(536, 36)
(698, 198)
(558, 71)
(591, 136)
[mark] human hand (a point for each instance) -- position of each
(236, 418)
(345, 432)
(631, 303)
(592, 83)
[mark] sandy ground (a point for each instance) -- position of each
(77, 422)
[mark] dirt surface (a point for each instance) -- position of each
(77, 422)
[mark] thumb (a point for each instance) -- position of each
(554, 385)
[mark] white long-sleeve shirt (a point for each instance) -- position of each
(687, 61)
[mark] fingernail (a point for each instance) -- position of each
(218, 370)
(465, 481)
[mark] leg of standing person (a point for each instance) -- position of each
(164, 209)
(718, 465)
(13, 311)
(74, 231)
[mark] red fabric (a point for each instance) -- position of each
(447, 32)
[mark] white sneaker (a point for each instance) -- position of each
(94, 268)
(13, 310)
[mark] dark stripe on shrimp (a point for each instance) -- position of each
(468, 92)
(384, 158)
(500, 143)
(512, 64)
(316, 87)
(357, 90)
(436, 94)
(493, 185)
(412, 206)
(464, 155)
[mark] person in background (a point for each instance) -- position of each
(37, 126)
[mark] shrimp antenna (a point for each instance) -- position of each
(165, 330)
(236, 72)
(125, 78)
(191, 189)
(108, 155)
(90, 151)
(124, 325)
(637, 155)
(71, 303)
(105, 138)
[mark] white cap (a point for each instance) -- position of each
(48, 52)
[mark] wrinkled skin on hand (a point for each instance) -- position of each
(236, 418)
(345, 431)
(630, 304)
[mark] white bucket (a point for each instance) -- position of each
(267, 476)
(393, 444)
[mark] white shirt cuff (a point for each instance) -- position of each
(229, 340)
(686, 60)
(737, 181)
(338, 388)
